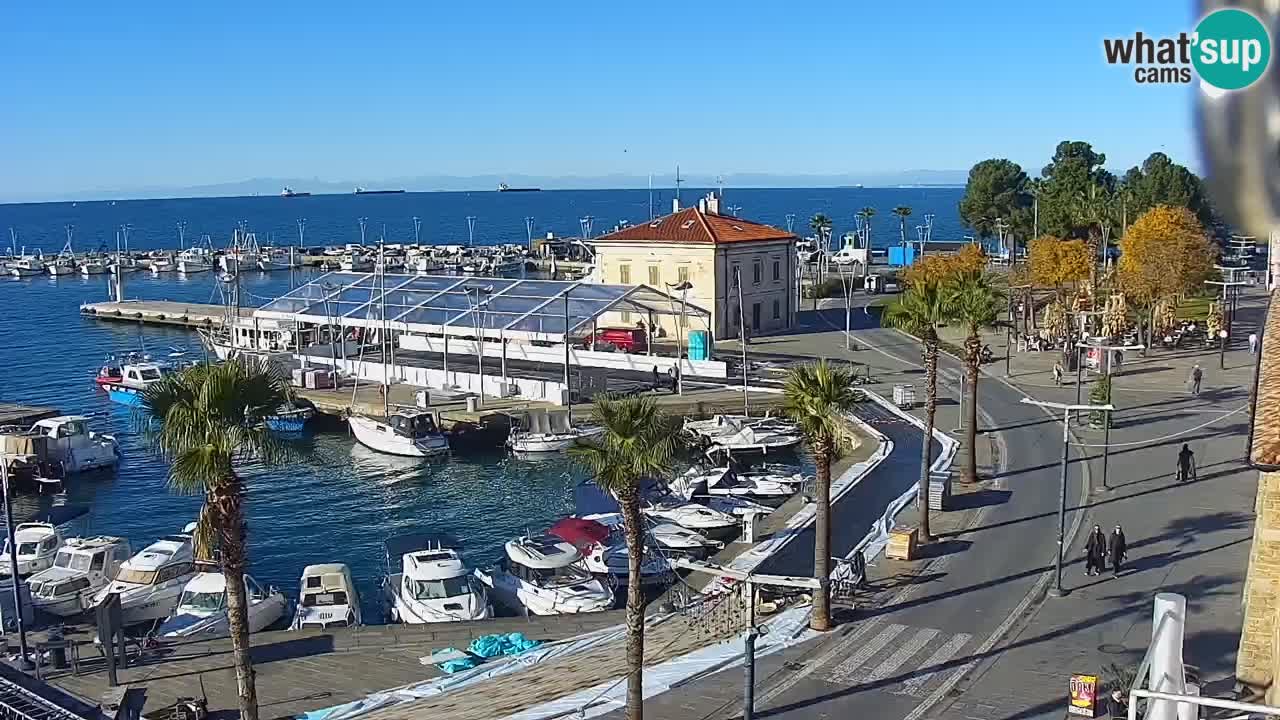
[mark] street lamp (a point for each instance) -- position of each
(25, 662)
(476, 307)
(846, 279)
(1106, 438)
(1222, 349)
(1057, 590)
(683, 287)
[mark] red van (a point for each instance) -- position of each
(629, 340)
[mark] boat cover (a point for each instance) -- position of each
(580, 532)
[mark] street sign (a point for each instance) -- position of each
(1084, 695)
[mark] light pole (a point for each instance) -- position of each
(1106, 438)
(302, 228)
(471, 230)
(684, 290)
(25, 663)
(1008, 333)
(847, 281)
(742, 338)
(567, 390)
(363, 221)
(476, 307)
(417, 229)
(1222, 349)
(1057, 590)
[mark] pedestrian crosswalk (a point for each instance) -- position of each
(904, 660)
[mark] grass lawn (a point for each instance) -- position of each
(1196, 308)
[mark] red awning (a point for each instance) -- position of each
(580, 532)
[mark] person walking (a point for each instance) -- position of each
(1186, 463)
(1095, 552)
(1118, 549)
(1253, 343)
(1194, 380)
(1057, 374)
(657, 383)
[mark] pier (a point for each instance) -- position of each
(24, 415)
(160, 312)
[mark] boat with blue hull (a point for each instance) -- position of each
(292, 418)
(134, 379)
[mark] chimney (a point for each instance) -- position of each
(702, 206)
(711, 204)
(675, 205)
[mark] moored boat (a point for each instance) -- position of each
(80, 569)
(432, 584)
(202, 609)
(544, 575)
(327, 598)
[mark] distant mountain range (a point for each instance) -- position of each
(446, 183)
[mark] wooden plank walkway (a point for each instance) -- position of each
(160, 312)
(308, 670)
(24, 415)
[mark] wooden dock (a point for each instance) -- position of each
(24, 415)
(160, 312)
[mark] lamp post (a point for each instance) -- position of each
(1057, 590)
(1106, 438)
(683, 287)
(363, 221)
(742, 338)
(476, 307)
(1008, 333)
(567, 390)
(846, 280)
(1222, 349)
(25, 662)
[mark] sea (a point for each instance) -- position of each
(339, 501)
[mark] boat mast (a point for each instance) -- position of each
(382, 309)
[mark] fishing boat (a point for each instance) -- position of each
(194, 260)
(93, 266)
(427, 581)
(202, 609)
(65, 262)
(66, 442)
(150, 583)
(135, 378)
(25, 266)
(352, 262)
(548, 431)
(82, 567)
(270, 259)
(327, 598)
(605, 552)
(163, 263)
(291, 417)
(544, 575)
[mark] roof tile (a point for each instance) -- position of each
(691, 225)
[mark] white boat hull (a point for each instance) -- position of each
(519, 596)
(379, 436)
(151, 606)
(262, 614)
(188, 267)
(57, 270)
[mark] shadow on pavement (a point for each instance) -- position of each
(979, 498)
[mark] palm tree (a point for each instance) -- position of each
(866, 214)
(207, 421)
(1094, 208)
(919, 311)
(976, 304)
(636, 444)
(817, 398)
(903, 212)
(821, 226)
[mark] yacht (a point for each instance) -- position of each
(692, 487)
(550, 431)
(151, 582)
(327, 598)
(134, 379)
(741, 435)
(66, 442)
(668, 538)
(544, 575)
(432, 583)
(80, 569)
(202, 609)
(700, 519)
(93, 266)
(605, 552)
(193, 260)
(407, 432)
(37, 543)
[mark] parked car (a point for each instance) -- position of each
(626, 339)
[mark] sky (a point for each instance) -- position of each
(151, 94)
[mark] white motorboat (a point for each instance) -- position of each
(407, 433)
(93, 266)
(692, 487)
(62, 266)
(715, 426)
(80, 569)
(700, 519)
(605, 552)
(544, 575)
(667, 538)
(202, 609)
(163, 264)
(134, 379)
(150, 583)
(355, 263)
(37, 544)
(725, 481)
(739, 435)
(327, 598)
(194, 260)
(277, 259)
(548, 431)
(26, 266)
(432, 584)
(123, 264)
(66, 443)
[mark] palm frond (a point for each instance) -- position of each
(816, 398)
(974, 301)
(637, 443)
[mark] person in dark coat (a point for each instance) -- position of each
(1095, 552)
(1118, 550)
(1186, 463)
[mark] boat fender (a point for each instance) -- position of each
(159, 316)
(138, 315)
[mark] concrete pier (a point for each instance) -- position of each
(160, 312)
(24, 415)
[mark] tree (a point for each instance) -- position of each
(976, 304)
(817, 398)
(821, 226)
(1163, 255)
(903, 212)
(940, 268)
(866, 214)
(919, 311)
(208, 421)
(636, 444)
(1074, 167)
(1054, 262)
(996, 188)
(1094, 212)
(1161, 181)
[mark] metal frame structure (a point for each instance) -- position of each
(438, 304)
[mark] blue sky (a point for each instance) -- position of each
(119, 95)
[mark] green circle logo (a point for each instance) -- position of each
(1232, 49)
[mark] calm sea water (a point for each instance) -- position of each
(341, 501)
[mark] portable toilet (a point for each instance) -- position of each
(698, 344)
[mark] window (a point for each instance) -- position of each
(626, 317)
(624, 274)
(755, 316)
(98, 561)
(777, 310)
(439, 589)
(777, 271)
(655, 276)
(324, 599)
(682, 274)
(136, 577)
(757, 271)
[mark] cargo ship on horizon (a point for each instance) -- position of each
(503, 187)
(362, 191)
(290, 192)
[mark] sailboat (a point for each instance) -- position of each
(407, 432)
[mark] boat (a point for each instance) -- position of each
(362, 191)
(352, 262)
(327, 598)
(691, 487)
(293, 416)
(194, 260)
(110, 372)
(725, 481)
(407, 432)
(38, 542)
(270, 259)
(163, 263)
(503, 187)
(123, 264)
(135, 378)
(93, 266)
(742, 435)
(25, 266)
(669, 538)
(605, 552)
(548, 431)
(544, 575)
(151, 582)
(706, 522)
(427, 581)
(65, 262)
(65, 442)
(243, 254)
(202, 609)
(290, 192)
(81, 568)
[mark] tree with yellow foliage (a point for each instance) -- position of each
(1164, 254)
(1055, 262)
(937, 269)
